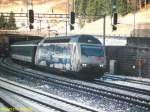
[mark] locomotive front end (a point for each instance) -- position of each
(89, 58)
(92, 58)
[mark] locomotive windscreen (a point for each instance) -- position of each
(92, 50)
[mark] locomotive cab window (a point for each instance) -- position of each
(91, 50)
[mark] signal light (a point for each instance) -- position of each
(114, 27)
(31, 26)
(71, 27)
(72, 17)
(114, 3)
(115, 17)
(31, 16)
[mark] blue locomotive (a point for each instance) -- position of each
(82, 55)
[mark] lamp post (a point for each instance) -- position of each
(134, 20)
(29, 5)
(67, 12)
(73, 5)
(27, 11)
(30, 14)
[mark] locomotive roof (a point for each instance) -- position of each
(28, 42)
(61, 39)
(74, 38)
(64, 39)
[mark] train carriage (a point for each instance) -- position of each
(24, 51)
(4, 50)
(82, 55)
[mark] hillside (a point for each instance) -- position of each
(140, 21)
(40, 6)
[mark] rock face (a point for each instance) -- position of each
(40, 6)
(4, 2)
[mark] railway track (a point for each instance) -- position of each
(90, 88)
(42, 98)
(126, 80)
(122, 87)
(6, 106)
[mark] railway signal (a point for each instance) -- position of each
(114, 2)
(115, 18)
(72, 17)
(31, 26)
(31, 16)
(114, 15)
(114, 27)
(71, 27)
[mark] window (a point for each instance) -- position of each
(91, 50)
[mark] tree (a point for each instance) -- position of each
(11, 21)
(3, 21)
(83, 6)
(102, 7)
(89, 11)
(93, 9)
(124, 7)
(77, 5)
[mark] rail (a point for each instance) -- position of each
(43, 98)
(85, 87)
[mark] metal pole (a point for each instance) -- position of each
(67, 12)
(104, 30)
(145, 4)
(66, 28)
(27, 12)
(104, 36)
(68, 5)
(134, 17)
(139, 4)
(73, 6)
(134, 26)
(29, 6)
(40, 25)
(140, 68)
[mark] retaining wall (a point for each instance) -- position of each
(127, 60)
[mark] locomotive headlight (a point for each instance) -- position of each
(84, 65)
(101, 66)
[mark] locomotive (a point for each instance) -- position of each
(80, 55)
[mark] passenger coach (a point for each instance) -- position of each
(82, 55)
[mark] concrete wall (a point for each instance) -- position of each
(127, 58)
(3, 39)
(139, 42)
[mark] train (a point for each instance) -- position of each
(3, 50)
(80, 55)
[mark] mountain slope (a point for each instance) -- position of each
(39, 6)
(137, 24)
